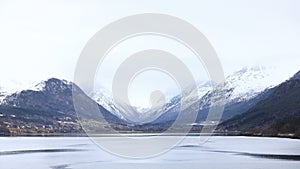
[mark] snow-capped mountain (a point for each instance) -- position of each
(248, 83)
(55, 95)
(278, 113)
(241, 90)
(244, 85)
(123, 110)
(193, 95)
(8, 87)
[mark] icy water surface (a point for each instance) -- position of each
(218, 152)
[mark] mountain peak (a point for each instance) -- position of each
(248, 82)
(250, 69)
(55, 80)
(52, 84)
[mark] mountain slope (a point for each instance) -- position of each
(20, 121)
(53, 95)
(296, 76)
(50, 95)
(242, 86)
(242, 90)
(278, 109)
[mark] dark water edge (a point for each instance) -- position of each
(229, 134)
(266, 156)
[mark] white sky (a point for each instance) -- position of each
(42, 39)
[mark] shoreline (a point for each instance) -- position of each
(151, 134)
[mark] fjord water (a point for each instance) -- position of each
(217, 152)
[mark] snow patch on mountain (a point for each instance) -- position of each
(104, 98)
(39, 87)
(248, 83)
(3, 95)
(9, 87)
(53, 86)
(243, 85)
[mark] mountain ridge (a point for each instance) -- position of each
(273, 115)
(237, 99)
(54, 96)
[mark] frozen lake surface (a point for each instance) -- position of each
(217, 152)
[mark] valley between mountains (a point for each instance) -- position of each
(254, 105)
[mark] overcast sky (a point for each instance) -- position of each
(42, 39)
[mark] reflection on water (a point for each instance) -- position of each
(218, 152)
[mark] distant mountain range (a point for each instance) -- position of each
(254, 104)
